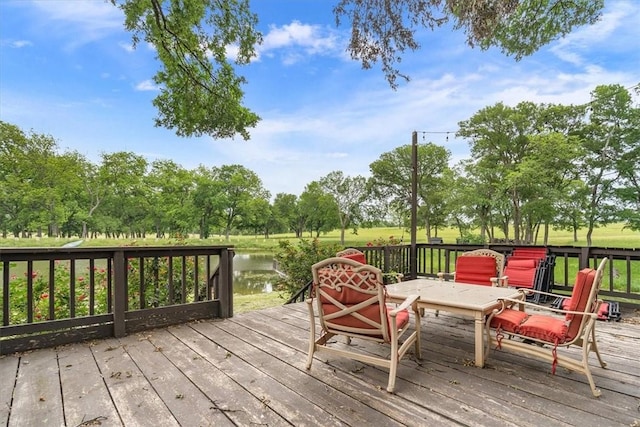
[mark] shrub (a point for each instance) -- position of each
(296, 261)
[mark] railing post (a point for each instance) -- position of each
(120, 294)
(226, 283)
(386, 259)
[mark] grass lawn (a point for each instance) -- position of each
(612, 236)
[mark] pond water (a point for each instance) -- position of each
(253, 273)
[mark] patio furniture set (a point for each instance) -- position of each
(349, 299)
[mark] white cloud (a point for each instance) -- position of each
(80, 21)
(616, 28)
(17, 44)
(128, 47)
(146, 85)
(297, 41)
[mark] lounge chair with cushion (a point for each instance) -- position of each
(350, 299)
(540, 331)
(478, 267)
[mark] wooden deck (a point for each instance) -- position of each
(249, 371)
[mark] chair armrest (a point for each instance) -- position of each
(442, 274)
(408, 302)
(508, 302)
(496, 281)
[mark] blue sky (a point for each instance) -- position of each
(67, 69)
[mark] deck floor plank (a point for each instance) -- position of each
(136, 400)
(285, 402)
(424, 393)
(363, 402)
(250, 370)
(84, 390)
(228, 396)
(175, 389)
(37, 400)
(8, 373)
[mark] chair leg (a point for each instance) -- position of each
(594, 346)
(585, 368)
(312, 336)
(417, 343)
(393, 367)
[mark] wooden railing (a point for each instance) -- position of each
(621, 281)
(54, 296)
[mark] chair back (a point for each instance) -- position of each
(351, 298)
(476, 270)
(353, 254)
(479, 266)
(584, 298)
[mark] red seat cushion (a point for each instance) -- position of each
(509, 320)
(546, 328)
(477, 270)
(356, 257)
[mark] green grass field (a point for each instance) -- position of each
(612, 236)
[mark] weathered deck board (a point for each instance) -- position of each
(250, 370)
(36, 398)
(84, 391)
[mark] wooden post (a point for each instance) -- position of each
(120, 294)
(413, 256)
(226, 283)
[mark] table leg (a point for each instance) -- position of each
(479, 336)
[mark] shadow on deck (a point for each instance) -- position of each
(249, 370)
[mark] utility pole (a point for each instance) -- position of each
(413, 256)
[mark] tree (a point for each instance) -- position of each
(285, 208)
(27, 202)
(500, 140)
(200, 92)
(207, 199)
(610, 127)
(126, 203)
(391, 180)
(349, 194)
(383, 30)
(628, 192)
(241, 186)
(319, 209)
(171, 187)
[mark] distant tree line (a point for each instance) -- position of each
(532, 167)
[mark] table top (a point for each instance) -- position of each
(459, 295)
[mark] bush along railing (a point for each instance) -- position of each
(392, 260)
(57, 296)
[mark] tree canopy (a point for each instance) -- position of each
(201, 89)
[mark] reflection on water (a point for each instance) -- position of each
(253, 273)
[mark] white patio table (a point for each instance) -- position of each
(475, 301)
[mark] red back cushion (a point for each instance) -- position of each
(522, 263)
(520, 277)
(356, 257)
(331, 282)
(476, 270)
(579, 298)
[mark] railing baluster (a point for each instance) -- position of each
(92, 281)
(29, 291)
(52, 289)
